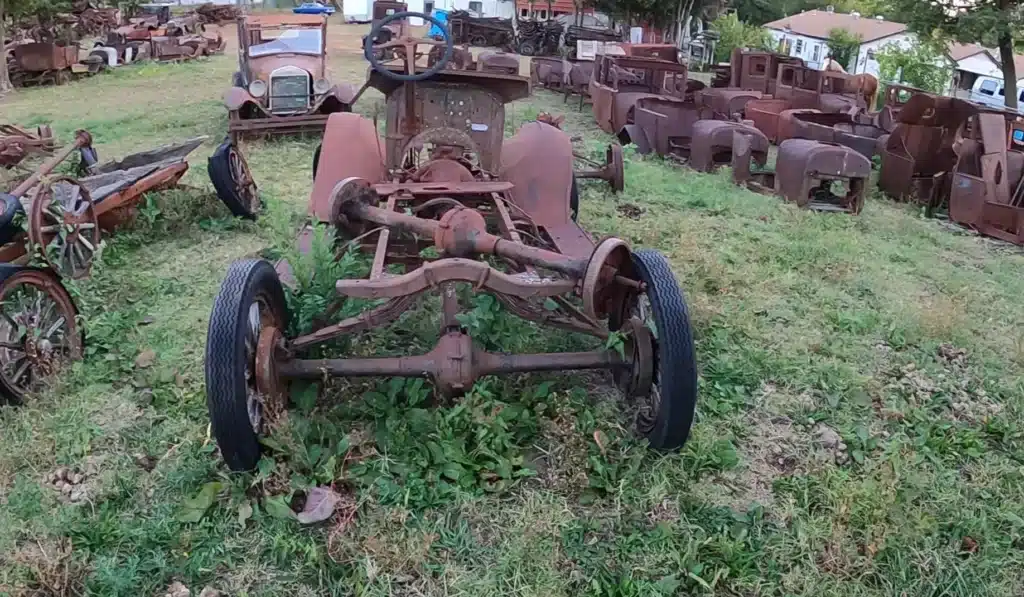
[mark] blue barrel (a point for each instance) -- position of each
(440, 15)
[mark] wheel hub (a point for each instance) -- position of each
(268, 382)
(638, 380)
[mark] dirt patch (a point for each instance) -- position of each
(952, 389)
(629, 210)
(48, 570)
(775, 448)
(563, 468)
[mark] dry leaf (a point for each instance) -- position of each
(145, 358)
(320, 503)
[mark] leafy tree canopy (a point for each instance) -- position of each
(986, 22)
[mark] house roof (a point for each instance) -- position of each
(958, 51)
(1018, 63)
(818, 23)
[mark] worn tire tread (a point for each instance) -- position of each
(225, 358)
(675, 347)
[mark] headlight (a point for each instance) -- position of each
(321, 86)
(258, 88)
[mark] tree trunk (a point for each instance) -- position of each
(1009, 69)
(5, 77)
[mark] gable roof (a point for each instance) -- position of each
(817, 23)
(958, 51)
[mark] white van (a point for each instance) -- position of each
(989, 91)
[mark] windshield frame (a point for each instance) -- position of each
(294, 33)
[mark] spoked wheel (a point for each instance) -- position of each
(613, 157)
(662, 384)
(233, 181)
(38, 332)
(243, 394)
(64, 227)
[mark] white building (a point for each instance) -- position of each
(971, 61)
(362, 10)
(805, 35)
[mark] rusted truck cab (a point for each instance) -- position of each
(282, 85)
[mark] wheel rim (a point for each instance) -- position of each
(647, 406)
(245, 186)
(37, 330)
(259, 318)
(63, 225)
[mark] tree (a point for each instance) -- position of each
(843, 46)
(734, 33)
(923, 66)
(759, 12)
(986, 22)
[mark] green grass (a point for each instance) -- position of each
(803, 320)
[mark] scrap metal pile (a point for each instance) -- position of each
(481, 31)
(575, 33)
(825, 139)
(217, 14)
(539, 38)
(51, 228)
(51, 51)
(949, 155)
(17, 144)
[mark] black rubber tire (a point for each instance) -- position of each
(526, 48)
(219, 169)
(574, 200)
(316, 159)
(236, 80)
(226, 358)
(674, 348)
(87, 158)
(8, 228)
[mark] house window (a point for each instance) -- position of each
(988, 87)
(799, 46)
(428, 7)
(817, 53)
(477, 7)
(524, 13)
(542, 15)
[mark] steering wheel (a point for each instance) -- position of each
(409, 43)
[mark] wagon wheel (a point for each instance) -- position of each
(62, 77)
(64, 227)
(38, 331)
(662, 384)
(478, 40)
(616, 168)
(230, 175)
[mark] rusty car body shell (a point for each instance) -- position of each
(986, 191)
(801, 88)
(618, 82)
(832, 127)
(259, 115)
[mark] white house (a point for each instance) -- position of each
(363, 9)
(805, 35)
(971, 61)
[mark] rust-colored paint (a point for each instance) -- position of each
(537, 160)
(711, 145)
(986, 184)
(805, 169)
(618, 82)
(351, 149)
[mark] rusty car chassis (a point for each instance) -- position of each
(443, 181)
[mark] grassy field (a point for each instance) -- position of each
(859, 427)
